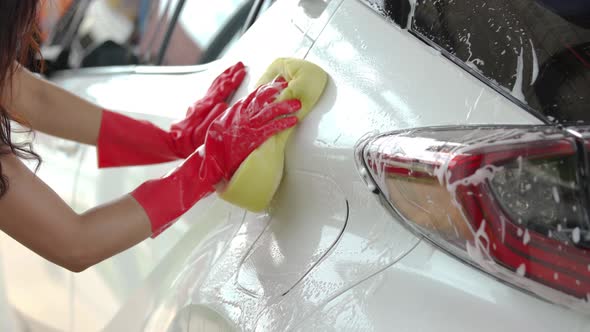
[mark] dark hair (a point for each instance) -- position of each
(19, 41)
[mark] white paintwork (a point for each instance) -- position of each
(327, 255)
(430, 291)
(316, 208)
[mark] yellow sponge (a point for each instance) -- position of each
(257, 179)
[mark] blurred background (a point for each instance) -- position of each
(94, 33)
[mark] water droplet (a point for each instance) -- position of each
(526, 238)
(576, 235)
(555, 195)
(364, 172)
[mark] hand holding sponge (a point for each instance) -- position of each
(257, 179)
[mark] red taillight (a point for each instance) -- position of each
(499, 198)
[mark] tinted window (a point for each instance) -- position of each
(538, 51)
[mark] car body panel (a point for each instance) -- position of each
(349, 108)
(327, 254)
(439, 293)
(298, 237)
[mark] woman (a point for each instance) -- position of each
(214, 140)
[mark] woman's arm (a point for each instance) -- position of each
(50, 109)
(38, 218)
(121, 140)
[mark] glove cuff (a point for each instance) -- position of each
(124, 141)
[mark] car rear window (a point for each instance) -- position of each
(536, 52)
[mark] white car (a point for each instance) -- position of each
(428, 190)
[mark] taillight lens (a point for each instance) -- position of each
(511, 201)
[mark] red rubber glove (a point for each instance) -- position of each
(246, 126)
(124, 141)
(230, 139)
